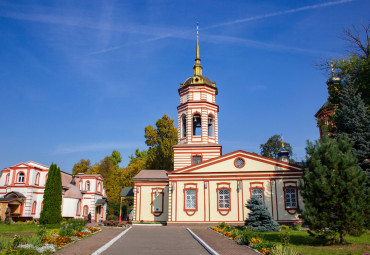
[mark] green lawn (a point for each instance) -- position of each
(307, 245)
(17, 228)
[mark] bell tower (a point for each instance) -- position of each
(197, 119)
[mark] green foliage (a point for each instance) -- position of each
(283, 250)
(259, 219)
(66, 231)
(136, 164)
(353, 119)
(271, 148)
(247, 234)
(113, 208)
(297, 227)
(333, 188)
(116, 158)
(84, 166)
(160, 142)
(112, 177)
(41, 231)
(51, 211)
(356, 65)
(284, 237)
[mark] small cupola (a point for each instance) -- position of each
(283, 154)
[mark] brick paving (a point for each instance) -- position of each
(142, 240)
(220, 243)
(92, 243)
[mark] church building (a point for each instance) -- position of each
(206, 186)
(22, 189)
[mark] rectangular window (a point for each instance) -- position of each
(223, 199)
(290, 198)
(257, 193)
(197, 159)
(191, 199)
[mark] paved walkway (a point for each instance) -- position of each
(92, 243)
(142, 240)
(221, 244)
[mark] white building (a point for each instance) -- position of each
(22, 190)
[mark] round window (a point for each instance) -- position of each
(239, 162)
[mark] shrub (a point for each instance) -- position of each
(54, 231)
(297, 227)
(223, 225)
(66, 231)
(284, 238)
(260, 218)
(284, 227)
(112, 217)
(113, 223)
(247, 234)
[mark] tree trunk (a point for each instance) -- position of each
(342, 238)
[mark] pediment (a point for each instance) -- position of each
(228, 163)
(20, 165)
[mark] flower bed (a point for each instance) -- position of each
(46, 240)
(245, 235)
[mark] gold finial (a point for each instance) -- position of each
(332, 67)
(197, 66)
(282, 140)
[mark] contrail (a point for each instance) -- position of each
(304, 8)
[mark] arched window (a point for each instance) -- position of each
(87, 185)
(197, 124)
(20, 178)
(37, 179)
(211, 125)
(34, 207)
(86, 211)
(183, 126)
(7, 179)
(78, 210)
(99, 187)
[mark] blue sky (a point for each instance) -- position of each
(79, 79)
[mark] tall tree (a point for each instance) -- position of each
(271, 148)
(112, 177)
(84, 166)
(136, 164)
(353, 119)
(333, 188)
(160, 142)
(356, 65)
(52, 202)
(116, 158)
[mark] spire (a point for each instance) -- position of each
(282, 140)
(197, 66)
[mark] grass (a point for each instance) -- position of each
(307, 245)
(17, 228)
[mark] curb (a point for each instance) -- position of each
(109, 244)
(204, 244)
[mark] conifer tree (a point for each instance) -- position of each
(260, 218)
(51, 210)
(333, 188)
(353, 120)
